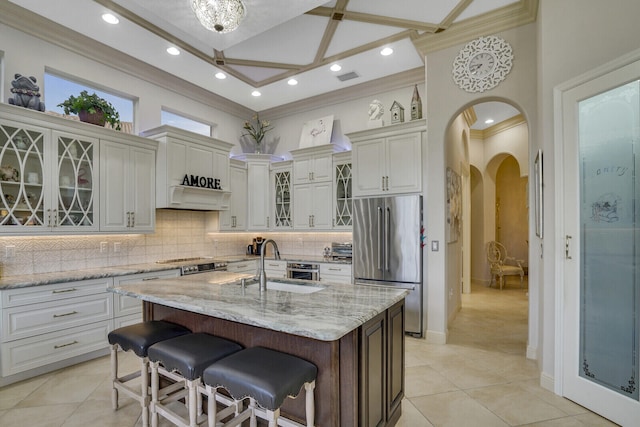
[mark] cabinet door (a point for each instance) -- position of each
(302, 201)
(236, 217)
(281, 184)
(25, 204)
(322, 206)
(369, 167)
(342, 196)
(142, 189)
(302, 170)
(404, 157)
(312, 169)
(258, 199)
(114, 167)
(76, 174)
(395, 362)
(322, 168)
(373, 378)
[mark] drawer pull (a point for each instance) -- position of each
(61, 291)
(335, 269)
(65, 314)
(65, 345)
(150, 278)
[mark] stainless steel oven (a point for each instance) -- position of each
(302, 270)
(195, 265)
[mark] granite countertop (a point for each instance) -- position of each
(283, 257)
(326, 315)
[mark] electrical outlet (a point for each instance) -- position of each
(117, 246)
(435, 245)
(103, 247)
(11, 251)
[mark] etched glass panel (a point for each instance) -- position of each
(283, 199)
(609, 130)
(343, 195)
(21, 175)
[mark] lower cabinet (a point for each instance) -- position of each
(51, 326)
(382, 367)
(275, 269)
(248, 266)
(335, 273)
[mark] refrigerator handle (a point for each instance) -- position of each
(380, 247)
(387, 228)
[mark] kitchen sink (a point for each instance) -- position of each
(296, 288)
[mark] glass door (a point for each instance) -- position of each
(283, 198)
(22, 171)
(601, 315)
(343, 195)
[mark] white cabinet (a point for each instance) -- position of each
(127, 187)
(388, 160)
(259, 197)
(275, 268)
(280, 178)
(312, 164)
(335, 273)
(236, 217)
(342, 192)
(312, 206)
(48, 179)
(245, 266)
(129, 306)
(42, 325)
(193, 170)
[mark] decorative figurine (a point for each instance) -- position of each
(397, 113)
(26, 93)
(376, 110)
(416, 105)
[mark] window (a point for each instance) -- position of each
(178, 121)
(57, 89)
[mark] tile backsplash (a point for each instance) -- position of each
(179, 234)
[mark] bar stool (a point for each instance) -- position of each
(182, 360)
(138, 338)
(266, 377)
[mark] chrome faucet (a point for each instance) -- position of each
(262, 274)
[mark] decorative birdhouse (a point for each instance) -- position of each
(397, 113)
(416, 105)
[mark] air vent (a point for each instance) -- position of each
(219, 61)
(348, 76)
(337, 16)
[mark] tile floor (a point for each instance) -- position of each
(481, 378)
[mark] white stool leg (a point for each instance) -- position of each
(252, 405)
(272, 417)
(192, 387)
(212, 408)
(154, 393)
(310, 403)
(144, 402)
(114, 376)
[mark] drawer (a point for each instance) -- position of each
(144, 277)
(30, 353)
(131, 319)
(275, 268)
(243, 267)
(335, 269)
(36, 319)
(58, 291)
(123, 305)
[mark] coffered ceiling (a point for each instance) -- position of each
(283, 39)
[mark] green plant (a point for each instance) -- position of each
(92, 104)
(258, 130)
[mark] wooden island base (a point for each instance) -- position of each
(360, 376)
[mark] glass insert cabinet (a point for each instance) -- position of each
(47, 180)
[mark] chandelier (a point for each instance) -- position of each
(222, 16)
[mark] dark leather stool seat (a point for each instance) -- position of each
(266, 376)
(183, 360)
(138, 338)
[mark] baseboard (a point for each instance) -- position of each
(434, 337)
(532, 353)
(547, 382)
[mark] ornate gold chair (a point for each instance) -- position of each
(498, 264)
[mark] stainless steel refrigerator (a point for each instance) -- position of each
(387, 249)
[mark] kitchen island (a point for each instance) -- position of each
(354, 335)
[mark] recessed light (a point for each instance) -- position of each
(110, 18)
(336, 67)
(220, 75)
(173, 51)
(292, 82)
(386, 51)
(256, 93)
(488, 121)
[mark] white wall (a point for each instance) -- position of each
(444, 101)
(573, 36)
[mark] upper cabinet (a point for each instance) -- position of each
(259, 196)
(281, 198)
(193, 170)
(388, 160)
(343, 194)
(235, 219)
(312, 164)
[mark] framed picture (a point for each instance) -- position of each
(316, 132)
(454, 205)
(538, 200)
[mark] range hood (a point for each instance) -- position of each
(192, 170)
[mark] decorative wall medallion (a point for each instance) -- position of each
(482, 64)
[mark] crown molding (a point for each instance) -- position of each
(508, 17)
(470, 116)
(497, 128)
(14, 16)
(373, 87)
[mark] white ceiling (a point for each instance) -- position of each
(277, 40)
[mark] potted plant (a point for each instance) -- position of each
(92, 109)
